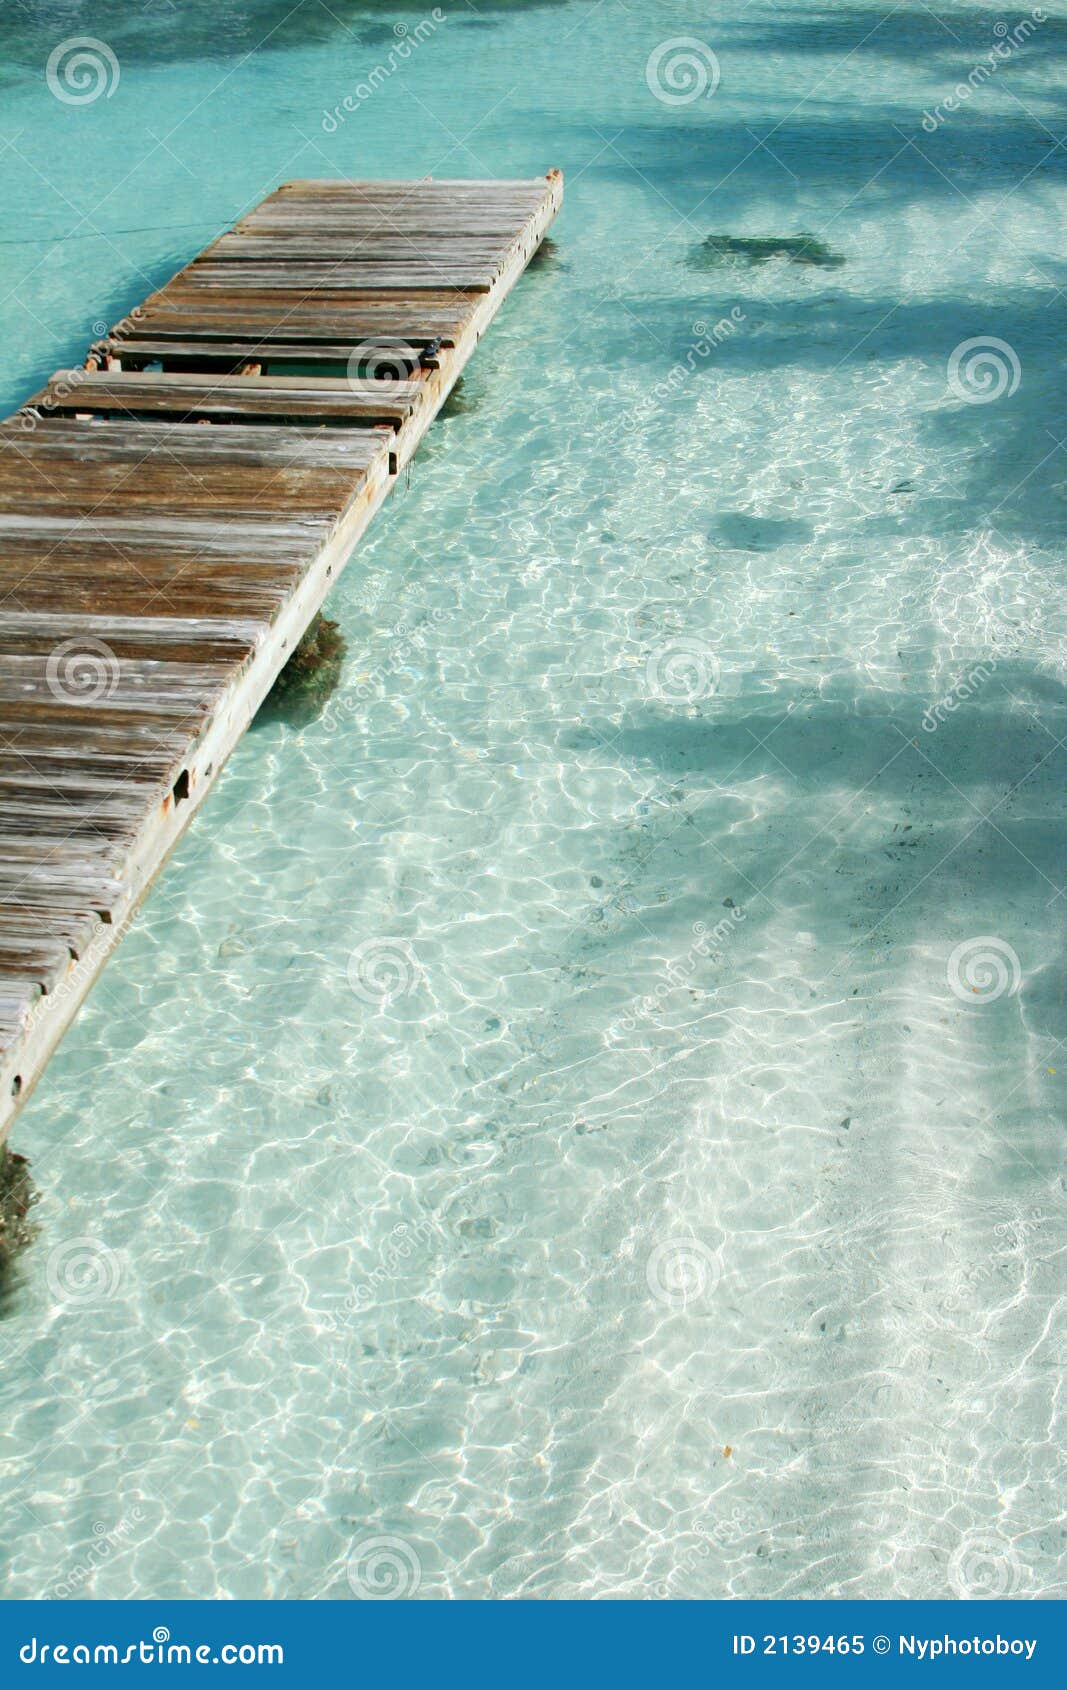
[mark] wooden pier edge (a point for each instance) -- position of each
(25, 1059)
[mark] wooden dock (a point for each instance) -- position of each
(171, 518)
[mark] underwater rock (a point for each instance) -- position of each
(760, 249)
(738, 531)
(544, 256)
(17, 1197)
(311, 675)
(460, 403)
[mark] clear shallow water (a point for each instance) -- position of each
(688, 1217)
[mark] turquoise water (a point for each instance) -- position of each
(588, 1111)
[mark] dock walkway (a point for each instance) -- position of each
(172, 516)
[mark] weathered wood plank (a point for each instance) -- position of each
(341, 276)
(135, 349)
(293, 314)
(196, 536)
(386, 244)
(154, 483)
(100, 441)
(130, 392)
(150, 485)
